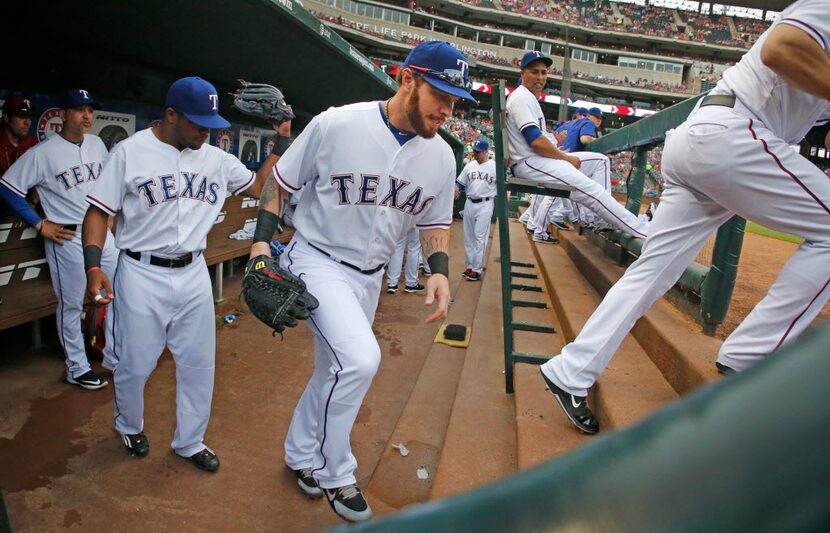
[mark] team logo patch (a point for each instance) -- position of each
(224, 140)
(49, 123)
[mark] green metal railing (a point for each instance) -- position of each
(514, 274)
(713, 285)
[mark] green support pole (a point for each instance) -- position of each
(504, 236)
(716, 292)
(636, 180)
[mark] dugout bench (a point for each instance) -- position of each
(26, 287)
(515, 274)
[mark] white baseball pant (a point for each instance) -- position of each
(477, 217)
(718, 163)
(156, 306)
(346, 358)
(66, 267)
(412, 243)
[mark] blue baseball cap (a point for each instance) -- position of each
(595, 111)
(582, 111)
(77, 98)
(481, 145)
(198, 100)
(532, 56)
(444, 67)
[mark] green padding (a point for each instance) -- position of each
(692, 278)
(747, 453)
(647, 131)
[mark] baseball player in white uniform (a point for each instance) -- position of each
(372, 171)
(64, 168)
(478, 179)
(533, 156)
(731, 156)
(412, 244)
(165, 186)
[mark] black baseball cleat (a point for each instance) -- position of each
(348, 502)
(473, 276)
(205, 460)
(575, 407)
(725, 370)
(547, 239)
(413, 288)
(89, 380)
(307, 483)
(391, 289)
(560, 226)
(137, 444)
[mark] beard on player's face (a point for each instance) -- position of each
(188, 134)
(425, 122)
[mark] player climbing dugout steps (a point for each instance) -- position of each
(478, 178)
(534, 156)
(371, 171)
(731, 156)
(63, 169)
(165, 185)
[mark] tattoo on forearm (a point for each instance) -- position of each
(435, 241)
(270, 194)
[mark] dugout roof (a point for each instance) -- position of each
(133, 50)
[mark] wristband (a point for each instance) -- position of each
(92, 257)
(281, 144)
(267, 223)
(439, 263)
(90, 269)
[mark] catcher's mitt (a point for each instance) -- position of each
(263, 101)
(274, 295)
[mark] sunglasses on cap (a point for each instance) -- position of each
(451, 76)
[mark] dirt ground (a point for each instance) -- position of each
(761, 261)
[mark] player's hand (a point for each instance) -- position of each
(98, 287)
(55, 232)
(438, 294)
(575, 161)
(456, 192)
(560, 137)
(260, 248)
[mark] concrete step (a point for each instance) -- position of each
(632, 387)
(480, 444)
(541, 431)
(672, 340)
(422, 425)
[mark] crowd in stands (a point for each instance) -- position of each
(638, 83)
(467, 127)
(639, 19)
(621, 167)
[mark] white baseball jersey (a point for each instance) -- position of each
(479, 180)
(523, 110)
(63, 173)
(166, 200)
(362, 197)
(784, 109)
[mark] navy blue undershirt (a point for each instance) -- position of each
(400, 136)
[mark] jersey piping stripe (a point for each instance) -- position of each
(101, 204)
(12, 187)
(816, 34)
(336, 373)
(60, 301)
(246, 185)
(527, 125)
(801, 314)
(633, 231)
(282, 180)
(790, 174)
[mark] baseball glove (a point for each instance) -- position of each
(274, 295)
(263, 101)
